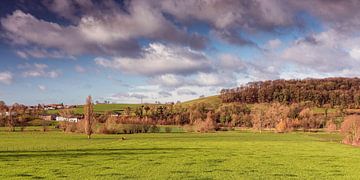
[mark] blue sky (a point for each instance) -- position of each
(55, 51)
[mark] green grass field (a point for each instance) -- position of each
(221, 155)
(214, 100)
(101, 108)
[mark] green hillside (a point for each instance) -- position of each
(101, 108)
(214, 100)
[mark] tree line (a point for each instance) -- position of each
(333, 92)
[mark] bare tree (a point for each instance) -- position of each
(89, 116)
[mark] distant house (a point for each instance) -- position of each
(8, 114)
(72, 119)
(115, 115)
(49, 108)
(48, 117)
(53, 106)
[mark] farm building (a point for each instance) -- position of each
(72, 119)
(47, 117)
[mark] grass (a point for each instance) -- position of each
(222, 155)
(214, 100)
(101, 108)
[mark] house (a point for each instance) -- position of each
(8, 113)
(53, 106)
(72, 119)
(49, 108)
(115, 115)
(47, 117)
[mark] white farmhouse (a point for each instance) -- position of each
(60, 118)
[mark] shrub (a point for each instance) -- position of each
(137, 128)
(281, 127)
(80, 126)
(154, 129)
(128, 128)
(307, 118)
(111, 126)
(294, 124)
(350, 128)
(330, 126)
(188, 128)
(64, 125)
(168, 129)
(70, 127)
(205, 126)
(102, 129)
(146, 128)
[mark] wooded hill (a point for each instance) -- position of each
(341, 92)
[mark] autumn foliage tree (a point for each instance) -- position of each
(89, 116)
(207, 125)
(3, 109)
(350, 128)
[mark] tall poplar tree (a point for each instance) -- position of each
(89, 116)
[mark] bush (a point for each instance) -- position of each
(188, 128)
(330, 126)
(350, 128)
(80, 126)
(102, 129)
(154, 129)
(70, 127)
(281, 127)
(146, 127)
(112, 127)
(168, 129)
(205, 126)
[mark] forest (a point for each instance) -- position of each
(339, 92)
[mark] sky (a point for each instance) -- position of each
(132, 51)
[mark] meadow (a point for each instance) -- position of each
(101, 108)
(221, 155)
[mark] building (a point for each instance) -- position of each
(48, 117)
(72, 119)
(8, 113)
(53, 106)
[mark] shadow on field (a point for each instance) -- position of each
(74, 153)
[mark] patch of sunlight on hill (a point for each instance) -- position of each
(214, 100)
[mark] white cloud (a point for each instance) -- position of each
(355, 53)
(42, 53)
(186, 92)
(42, 87)
(38, 70)
(25, 29)
(210, 79)
(111, 31)
(80, 69)
(168, 80)
(159, 59)
(328, 51)
(231, 62)
(165, 94)
(153, 93)
(273, 43)
(6, 77)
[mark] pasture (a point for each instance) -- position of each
(221, 155)
(101, 108)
